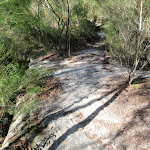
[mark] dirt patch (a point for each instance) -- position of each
(51, 88)
(39, 55)
(133, 106)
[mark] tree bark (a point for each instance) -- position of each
(67, 30)
(141, 10)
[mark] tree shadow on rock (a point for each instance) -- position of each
(50, 116)
(86, 121)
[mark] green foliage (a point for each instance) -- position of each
(29, 106)
(11, 76)
(84, 16)
(21, 30)
(10, 80)
(128, 33)
(32, 85)
(15, 81)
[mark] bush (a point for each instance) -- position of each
(11, 76)
(15, 80)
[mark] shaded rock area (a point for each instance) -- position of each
(94, 111)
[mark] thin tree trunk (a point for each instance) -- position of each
(69, 50)
(141, 10)
(67, 31)
(40, 33)
(60, 42)
(137, 53)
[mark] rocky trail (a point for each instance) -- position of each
(94, 110)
